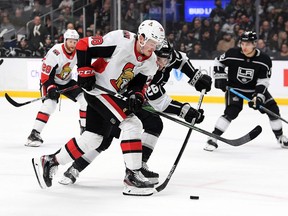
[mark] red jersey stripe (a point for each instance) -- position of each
(112, 102)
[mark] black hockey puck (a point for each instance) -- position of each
(194, 197)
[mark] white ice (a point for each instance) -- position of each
(232, 181)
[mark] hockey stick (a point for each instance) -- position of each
(164, 184)
(16, 104)
(261, 107)
(233, 142)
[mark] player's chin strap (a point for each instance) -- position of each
(164, 184)
(261, 107)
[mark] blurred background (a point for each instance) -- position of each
(202, 29)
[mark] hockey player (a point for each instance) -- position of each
(122, 58)
(249, 72)
(167, 59)
(56, 74)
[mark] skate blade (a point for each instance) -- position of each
(134, 191)
(33, 144)
(65, 181)
(37, 169)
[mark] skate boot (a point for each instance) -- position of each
(211, 144)
(151, 176)
(45, 168)
(70, 176)
(135, 184)
(283, 141)
(34, 139)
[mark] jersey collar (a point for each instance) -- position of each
(68, 55)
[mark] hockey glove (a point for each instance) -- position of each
(52, 92)
(135, 101)
(203, 82)
(256, 102)
(221, 81)
(86, 78)
(189, 113)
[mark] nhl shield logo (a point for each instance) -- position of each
(178, 74)
(245, 75)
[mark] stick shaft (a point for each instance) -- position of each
(261, 107)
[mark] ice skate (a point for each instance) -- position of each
(34, 139)
(211, 144)
(45, 168)
(70, 176)
(151, 176)
(135, 184)
(283, 141)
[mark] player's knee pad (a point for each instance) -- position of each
(81, 100)
(49, 106)
(231, 112)
(131, 128)
(89, 141)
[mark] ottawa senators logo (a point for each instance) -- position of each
(66, 71)
(125, 77)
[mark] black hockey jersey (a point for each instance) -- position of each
(179, 61)
(247, 74)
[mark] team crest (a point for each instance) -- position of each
(65, 72)
(245, 75)
(125, 77)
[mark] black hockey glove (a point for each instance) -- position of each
(135, 101)
(189, 113)
(52, 92)
(221, 81)
(86, 78)
(256, 102)
(201, 81)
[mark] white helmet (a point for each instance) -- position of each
(71, 34)
(151, 29)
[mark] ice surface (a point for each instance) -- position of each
(232, 181)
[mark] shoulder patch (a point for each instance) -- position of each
(56, 52)
(126, 34)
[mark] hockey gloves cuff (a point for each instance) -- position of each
(201, 81)
(221, 81)
(52, 92)
(189, 113)
(135, 101)
(256, 101)
(86, 78)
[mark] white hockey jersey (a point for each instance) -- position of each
(57, 66)
(123, 62)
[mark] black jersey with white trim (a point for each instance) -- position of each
(248, 74)
(180, 61)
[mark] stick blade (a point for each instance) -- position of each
(11, 101)
(246, 138)
(255, 132)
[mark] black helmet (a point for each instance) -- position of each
(248, 36)
(165, 50)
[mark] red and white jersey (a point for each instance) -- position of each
(57, 66)
(117, 61)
